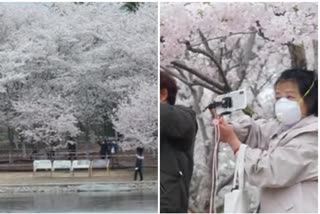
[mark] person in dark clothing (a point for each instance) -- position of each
(178, 128)
(139, 161)
(103, 148)
(72, 147)
(109, 152)
(34, 154)
(51, 153)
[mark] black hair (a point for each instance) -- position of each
(167, 82)
(304, 79)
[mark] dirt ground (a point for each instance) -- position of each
(80, 176)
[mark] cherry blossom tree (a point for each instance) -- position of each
(136, 117)
(65, 66)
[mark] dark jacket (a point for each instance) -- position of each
(138, 160)
(103, 149)
(178, 128)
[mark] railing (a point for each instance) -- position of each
(76, 160)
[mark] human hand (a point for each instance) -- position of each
(214, 113)
(228, 135)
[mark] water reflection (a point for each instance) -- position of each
(79, 202)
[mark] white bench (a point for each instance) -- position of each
(61, 164)
(41, 164)
(70, 165)
(100, 164)
(80, 164)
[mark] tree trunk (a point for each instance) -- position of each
(87, 141)
(298, 56)
(315, 51)
(201, 180)
(154, 153)
(197, 95)
(23, 147)
(86, 130)
(10, 138)
(116, 135)
(24, 150)
(105, 132)
(16, 145)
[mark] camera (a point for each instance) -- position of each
(227, 103)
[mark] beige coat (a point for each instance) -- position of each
(283, 163)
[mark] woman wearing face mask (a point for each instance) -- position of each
(281, 156)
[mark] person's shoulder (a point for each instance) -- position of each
(185, 108)
(312, 121)
(176, 106)
(307, 124)
(306, 130)
(305, 141)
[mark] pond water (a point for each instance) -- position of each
(83, 202)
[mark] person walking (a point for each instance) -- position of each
(139, 162)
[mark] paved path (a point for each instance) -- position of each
(64, 177)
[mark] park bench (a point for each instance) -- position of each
(100, 163)
(41, 164)
(61, 164)
(72, 165)
(80, 164)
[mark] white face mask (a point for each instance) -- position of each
(288, 111)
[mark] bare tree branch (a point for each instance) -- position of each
(194, 82)
(232, 67)
(224, 37)
(213, 59)
(217, 62)
(177, 76)
(221, 55)
(181, 72)
(217, 85)
(226, 86)
(242, 78)
(261, 33)
(269, 78)
(205, 43)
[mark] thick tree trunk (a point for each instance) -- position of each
(24, 149)
(201, 180)
(105, 126)
(155, 154)
(10, 138)
(315, 51)
(87, 141)
(87, 138)
(197, 95)
(298, 56)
